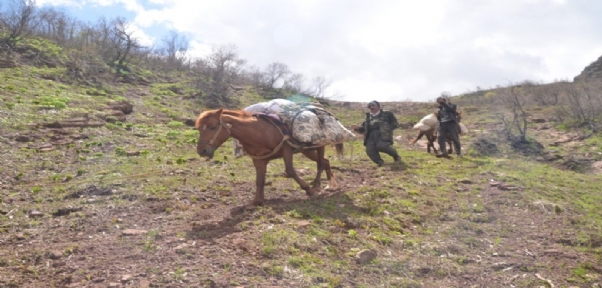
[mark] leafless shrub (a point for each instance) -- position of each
(512, 102)
(18, 20)
(581, 105)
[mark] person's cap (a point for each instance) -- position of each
(374, 102)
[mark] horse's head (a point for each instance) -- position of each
(213, 132)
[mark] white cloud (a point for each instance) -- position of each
(389, 49)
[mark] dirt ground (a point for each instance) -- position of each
(180, 243)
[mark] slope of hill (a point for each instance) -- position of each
(591, 72)
(101, 186)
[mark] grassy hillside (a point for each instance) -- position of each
(96, 195)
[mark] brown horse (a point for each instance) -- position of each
(431, 136)
(262, 141)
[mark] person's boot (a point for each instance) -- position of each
(443, 155)
(397, 159)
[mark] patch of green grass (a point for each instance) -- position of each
(54, 102)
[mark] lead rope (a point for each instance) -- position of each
(284, 139)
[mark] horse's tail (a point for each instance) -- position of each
(417, 137)
(339, 149)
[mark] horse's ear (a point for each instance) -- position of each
(220, 111)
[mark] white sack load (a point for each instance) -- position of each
(269, 107)
(306, 127)
(463, 129)
(430, 120)
(421, 126)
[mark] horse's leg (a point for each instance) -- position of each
(261, 167)
(431, 143)
(420, 134)
(313, 155)
(326, 165)
(287, 156)
(433, 140)
(320, 167)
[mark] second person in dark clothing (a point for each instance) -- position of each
(448, 126)
(378, 133)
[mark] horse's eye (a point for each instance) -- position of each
(212, 128)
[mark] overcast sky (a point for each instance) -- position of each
(387, 50)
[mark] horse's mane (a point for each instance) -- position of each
(208, 113)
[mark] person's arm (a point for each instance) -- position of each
(393, 121)
(448, 107)
(359, 129)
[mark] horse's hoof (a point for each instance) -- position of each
(313, 196)
(334, 187)
(253, 204)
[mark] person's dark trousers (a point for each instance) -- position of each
(449, 128)
(375, 144)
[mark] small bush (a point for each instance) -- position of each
(175, 124)
(53, 102)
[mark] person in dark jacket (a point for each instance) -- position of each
(378, 133)
(448, 125)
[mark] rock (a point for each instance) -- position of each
(132, 153)
(76, 122)
(98, 280)
(538, 120)
(22, 138)
(113, 284)
(122, 106)
(365, 256)
(508, 187)
(241, 244)
(54, 255)
(36, 214)
(114, 115)
(58, 264)
(66, 211)
(552, 252)
(597, 167)
(424, 270)
(181, 249)
(189, 122)
(20, 236)
(303, 223)
(126, 278)
(466, 181)
(133, 232)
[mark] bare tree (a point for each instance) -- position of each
(123, 41)
(319, 86)
(19, 20)
(254, 76)
(514, 99)
(295, 83)
(547, 95)
(175, 46)
(275, 71)
(581, 105)
(223, 67)
(57, 25)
